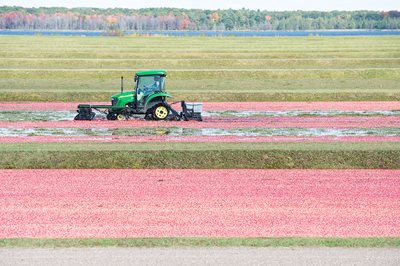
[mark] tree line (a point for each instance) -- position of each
(124, 19)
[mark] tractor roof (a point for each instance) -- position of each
(151, 73)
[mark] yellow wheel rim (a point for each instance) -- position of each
(120, 117)
(161, 112)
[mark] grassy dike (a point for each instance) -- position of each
(312, 68)
(380, 242)
(200, 155)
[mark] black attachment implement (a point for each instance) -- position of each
(190, 111)
(85, 112)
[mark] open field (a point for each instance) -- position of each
(201, 68)
(299, 145)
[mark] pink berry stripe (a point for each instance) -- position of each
(227, 123)
(144, 203)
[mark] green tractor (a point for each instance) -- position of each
(148, 99)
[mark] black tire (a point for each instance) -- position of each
(160, 111)
(149, 114)
(111, 116)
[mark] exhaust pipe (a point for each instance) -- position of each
(122, 84)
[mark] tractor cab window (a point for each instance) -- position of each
(162, 81)
(148, 85)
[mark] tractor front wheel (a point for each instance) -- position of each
(116, 116)
(120, 117)
(160, 111)
(111, 116)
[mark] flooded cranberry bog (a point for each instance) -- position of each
(336, 122)
(314, 174)
(63, 190)
(300, 144)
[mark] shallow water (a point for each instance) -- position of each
(69, 115)
(180, 132)
(301, 113)
(37, 115)
(210, 33)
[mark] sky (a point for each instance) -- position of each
(277, 5)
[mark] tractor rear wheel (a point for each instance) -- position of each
(160, 111)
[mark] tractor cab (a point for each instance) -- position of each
(149, 85)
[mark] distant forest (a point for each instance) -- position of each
(123, 19)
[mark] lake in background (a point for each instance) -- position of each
(211, 33)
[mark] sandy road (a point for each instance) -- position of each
(200, 256)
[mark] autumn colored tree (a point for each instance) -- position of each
(123, 19)
(184, 21)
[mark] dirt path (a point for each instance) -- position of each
(200, 256)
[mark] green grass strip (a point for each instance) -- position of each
(201, 155)
(209, 97)
(378, 242)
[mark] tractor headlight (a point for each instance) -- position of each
(114, 101)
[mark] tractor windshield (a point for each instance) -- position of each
(147, 85)
(150, 84)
